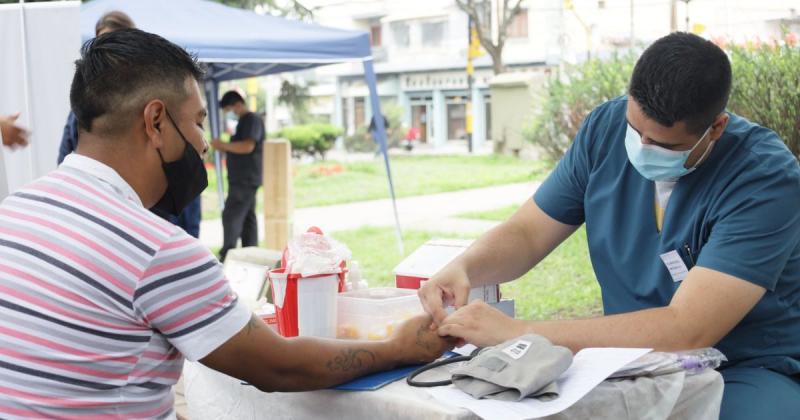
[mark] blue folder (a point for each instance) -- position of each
(379, 380)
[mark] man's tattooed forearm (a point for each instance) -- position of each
(351, 360)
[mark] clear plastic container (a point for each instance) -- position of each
(373, 314)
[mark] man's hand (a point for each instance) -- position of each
(481, 325)
(416, 343)
(13, 135)
(218, 145)
(449, 287)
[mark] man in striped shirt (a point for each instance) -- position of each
(100, 300)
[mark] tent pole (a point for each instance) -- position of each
(380, 133)
(26, 88)
(212, 99)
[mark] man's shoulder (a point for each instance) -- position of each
(755, 165)
(611, 110)
(106, 195)
(601, 127)
(759, 149)
(252, 117)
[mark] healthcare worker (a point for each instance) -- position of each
(693, 222)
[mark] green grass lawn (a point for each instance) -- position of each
(562, 286)
(330, 182)
(496, 214)
(375, 249)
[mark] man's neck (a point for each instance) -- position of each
(128, 169)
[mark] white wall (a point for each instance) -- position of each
(35, 75)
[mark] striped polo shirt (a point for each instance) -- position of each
(100, 300)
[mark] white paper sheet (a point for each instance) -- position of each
(589, 368)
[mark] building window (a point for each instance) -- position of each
(400, 34)
(375, 34)
(433, 33)
(518, 28)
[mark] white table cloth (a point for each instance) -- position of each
(212, 395)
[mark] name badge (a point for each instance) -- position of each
(675, 265)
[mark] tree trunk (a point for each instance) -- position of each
(497, 61)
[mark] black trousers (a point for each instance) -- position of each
(239, 218)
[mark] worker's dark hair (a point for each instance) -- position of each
(119, 72)
(682, 77)
(113, 21)
(229, 98)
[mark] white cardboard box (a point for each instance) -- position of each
(431, 257)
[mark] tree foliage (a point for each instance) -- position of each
(479, 11)
(293, 8)
(766, 90)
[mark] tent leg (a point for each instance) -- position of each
(380, 133)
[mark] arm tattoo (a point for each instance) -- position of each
(352, 360)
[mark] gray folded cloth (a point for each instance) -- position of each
(525, 366)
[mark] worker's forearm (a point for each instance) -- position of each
(662, 329)
(239, 147)
(502, 254)
(313, 363)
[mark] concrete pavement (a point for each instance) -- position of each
(435, 212)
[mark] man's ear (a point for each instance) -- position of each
(719, 125)
(154, 119)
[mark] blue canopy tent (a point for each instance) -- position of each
(236, 43)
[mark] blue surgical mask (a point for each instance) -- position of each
(230, 115)
(657, 163)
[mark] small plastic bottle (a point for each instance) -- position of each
(354, 277)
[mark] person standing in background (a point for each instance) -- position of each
(244, 162)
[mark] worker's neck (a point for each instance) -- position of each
(113, 153)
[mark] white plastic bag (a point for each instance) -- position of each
(311, 253)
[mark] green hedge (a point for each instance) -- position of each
(570, 95)
(766, 90)
(312, 139)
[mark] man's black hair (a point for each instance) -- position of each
(682, 77)
(230, 97)
(119, 72)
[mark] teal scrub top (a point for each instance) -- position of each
(738, 213)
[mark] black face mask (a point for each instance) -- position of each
(186, 179)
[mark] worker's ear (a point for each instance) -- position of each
(154, 119)
(718, 127)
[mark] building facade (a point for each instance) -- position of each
(420, 51)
